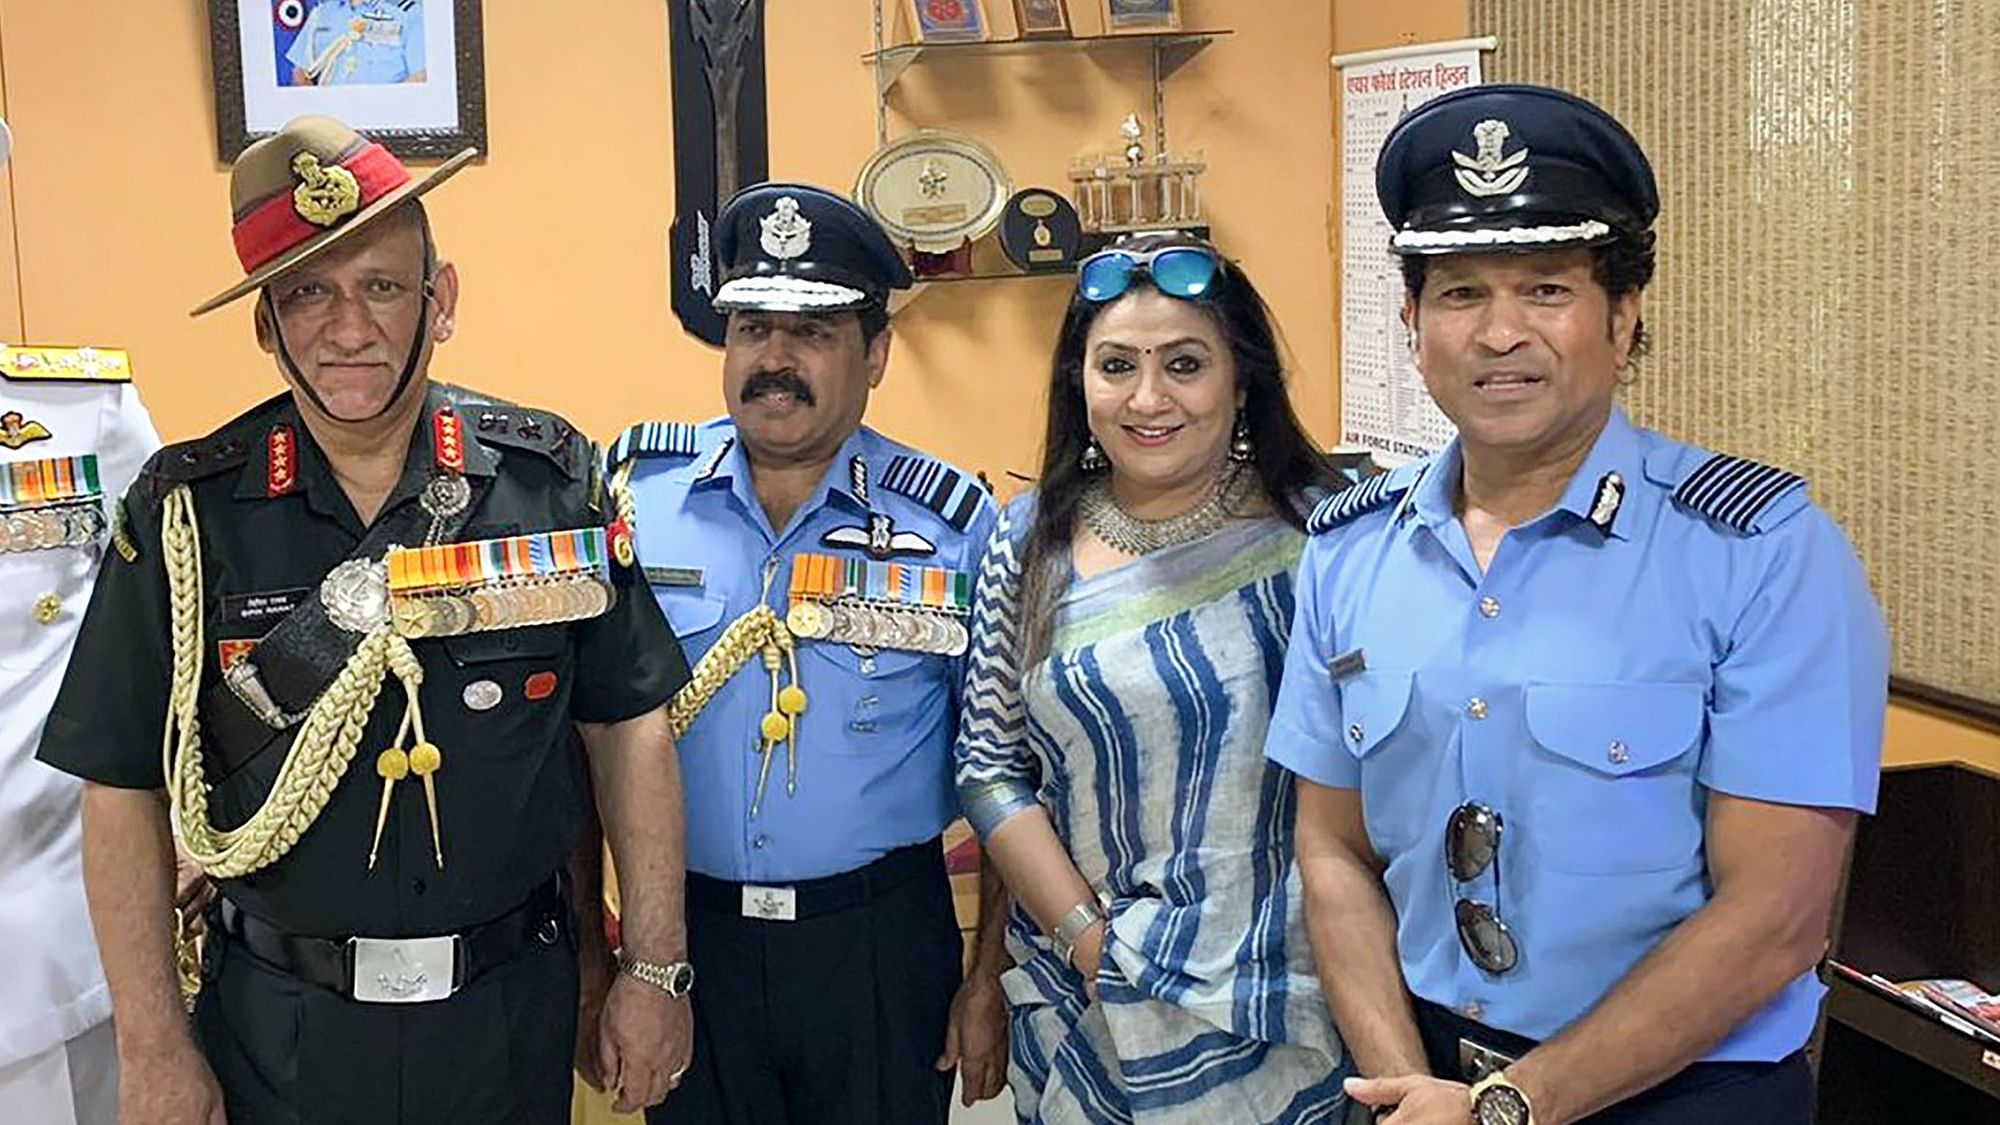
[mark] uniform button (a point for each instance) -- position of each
(1489, 607)
(1354, 733)
(1475, 1010)
(1476, 708)
(416, 886)
(1619, 753)
(867, 665)
(760, 841)
(48, 607)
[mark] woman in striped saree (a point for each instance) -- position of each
(1129, 628)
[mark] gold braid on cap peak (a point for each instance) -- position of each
(320, 753)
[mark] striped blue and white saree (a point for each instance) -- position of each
(1142, 735)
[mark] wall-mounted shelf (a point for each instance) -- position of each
(1172, 50)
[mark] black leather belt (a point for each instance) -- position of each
(401, 970)
(827, 895)
(1466, 1050)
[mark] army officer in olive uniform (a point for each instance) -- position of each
(369, 614)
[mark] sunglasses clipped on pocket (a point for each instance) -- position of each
(1471, 845)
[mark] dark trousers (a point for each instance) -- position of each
(498, 1052)
(835, 1018)
(1712, 1093)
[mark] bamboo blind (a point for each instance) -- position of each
(1830, 175)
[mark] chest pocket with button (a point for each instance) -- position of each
(695, 616)
(1610, 778)
(889, 695)
(509, 659)
(1396, 776)
(42, 595)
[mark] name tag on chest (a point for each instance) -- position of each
(263, 609)
(674, 575)
(771, 904)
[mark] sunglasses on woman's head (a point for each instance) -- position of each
(1177, 271)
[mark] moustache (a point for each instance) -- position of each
(782, 381)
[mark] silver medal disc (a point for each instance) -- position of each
(446, 495)
(356, 595)
(482, 695)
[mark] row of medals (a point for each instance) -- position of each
(38, 529)
(878, 625)
(544, 601)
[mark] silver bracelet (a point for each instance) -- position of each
(1071, 927)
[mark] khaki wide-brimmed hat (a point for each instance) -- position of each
(307, 186)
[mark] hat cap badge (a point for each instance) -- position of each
(786, 233)
(1491, 171)
(325, 195)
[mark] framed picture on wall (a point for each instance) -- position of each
(1131, 16)
(1041, 18)
(408, 73)
(949, 21)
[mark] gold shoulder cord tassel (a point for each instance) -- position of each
(763, 633)
(313, 765)
(320, 752)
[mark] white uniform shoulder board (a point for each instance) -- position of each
(1739, 493)
(65, 365)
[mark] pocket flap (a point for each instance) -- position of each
(690, 612)
(1615, 729)
(526, 642)
(1371, 707)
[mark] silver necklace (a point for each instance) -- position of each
(1134, 536)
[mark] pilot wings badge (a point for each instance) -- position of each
(881, 539)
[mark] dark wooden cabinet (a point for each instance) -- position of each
(1923, 900)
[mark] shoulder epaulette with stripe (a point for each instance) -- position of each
(65, 365)
(1378, 491)
(1737, 492)
(950, 493)
(654, 439)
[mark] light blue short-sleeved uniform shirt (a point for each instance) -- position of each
(875, 742)
(384, 42)
(1710, 631)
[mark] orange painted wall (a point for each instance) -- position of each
(560, 235)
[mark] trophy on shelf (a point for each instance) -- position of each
(1121, 192)
(936, 193)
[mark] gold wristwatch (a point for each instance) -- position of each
(1496, 1101)
(675, 978)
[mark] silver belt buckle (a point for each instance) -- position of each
(403, 970)
(770, 904)
(1476, 1062)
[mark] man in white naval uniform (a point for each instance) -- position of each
(72, 437)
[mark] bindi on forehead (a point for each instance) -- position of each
(1188, 342)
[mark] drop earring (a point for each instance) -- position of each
(1241, 449)
(1093, 459)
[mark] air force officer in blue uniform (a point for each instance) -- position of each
(1582, 716)
(818, 572)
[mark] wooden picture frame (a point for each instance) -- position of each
(1042, 19)
(1136, 17)
(357, 60)
(950, 21)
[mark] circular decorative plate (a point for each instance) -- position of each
(934, 190)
